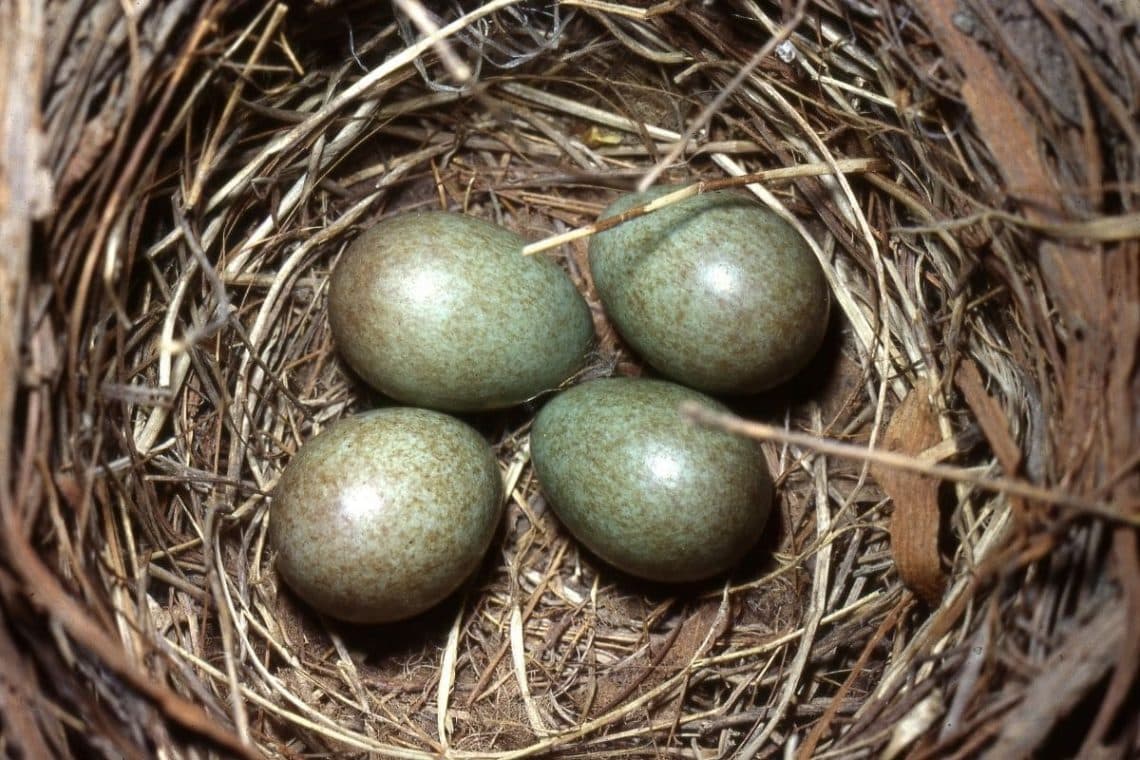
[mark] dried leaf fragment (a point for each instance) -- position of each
(913, 428)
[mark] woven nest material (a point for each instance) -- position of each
(953, 568)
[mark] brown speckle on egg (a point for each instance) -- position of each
(642, 488)
(384, 514)
(716, 291)
(442, 310)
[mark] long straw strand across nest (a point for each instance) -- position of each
(954, 568)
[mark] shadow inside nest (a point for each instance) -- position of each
(759, 561)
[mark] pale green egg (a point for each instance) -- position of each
(716, 291)
(384, 514)
(442, 310)
(642, 488)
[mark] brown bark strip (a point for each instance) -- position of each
(991, 419)
(1095, 290)
(914, 524)
(1127, 653)
(1007, 128)
(50, 597)
(989, 416)
(22, 197)
(18, 700)
(1059, 685)
(1123, 395)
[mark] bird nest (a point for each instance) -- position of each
(952, 567)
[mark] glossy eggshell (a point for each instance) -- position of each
(442, 310)
(384, 514)
(716, 291)
(645, 490)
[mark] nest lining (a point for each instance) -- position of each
(216, 175)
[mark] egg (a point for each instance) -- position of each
(645, 490)
(443, 311)
(384, 514)
(716, 291)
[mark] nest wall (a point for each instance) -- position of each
(953, 567)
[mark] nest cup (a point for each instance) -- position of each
(953, 565)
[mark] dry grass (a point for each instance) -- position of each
(971, 198)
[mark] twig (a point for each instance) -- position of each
(722, 97)
(817, 604)
(849, 166)
(698, 413)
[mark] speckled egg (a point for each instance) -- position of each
(645, 490)
(384, 514)
(716, 291)
(442, 310)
